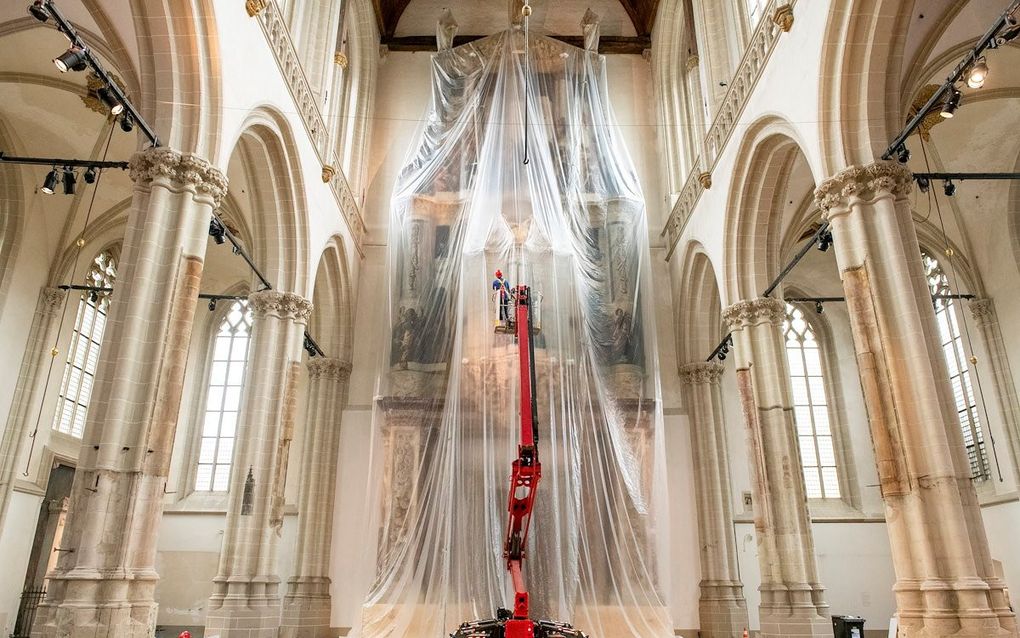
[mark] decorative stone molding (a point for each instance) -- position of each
(328, 368)
(739, 90)
(864, 182)
(52, 300)
(340, 59)
(755, 311)
(328, 173)
(182, 168)
(704, 372)
(274, 26)
(285, 305)
(783, 17)
(706, 180)
(254, 7)
(931, 119)
(981, 310)
(692, 61)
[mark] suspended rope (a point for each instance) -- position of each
(526, 12)
(54, 351)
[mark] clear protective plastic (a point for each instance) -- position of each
(570, 223)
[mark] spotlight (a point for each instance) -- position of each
(127, 123)
(69, 181)
(949, 188)
(903, 154)
(90, 175)
(71, 60)
(818, 307)
(952, 103)
(978, 73)
(111, 101)
(38, 11)
(212, 305)
(923, 183)
(93, 296)
(50, 183)
(825, 241)
(216, 231)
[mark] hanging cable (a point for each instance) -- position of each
(526, 12)
(950, 255)
(79, 244)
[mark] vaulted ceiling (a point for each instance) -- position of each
(410, 24)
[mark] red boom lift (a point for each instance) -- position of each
(527, 470)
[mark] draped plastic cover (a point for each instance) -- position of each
(571, 224)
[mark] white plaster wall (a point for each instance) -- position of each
(15, 547)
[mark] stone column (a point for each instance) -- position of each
(38, 351)
(792, 600)
(103, 584)
(306, 606)
(246, 598)
(722, 608)
(945, 583)
(983, 311)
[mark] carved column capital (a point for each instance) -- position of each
(701, 373)
(863, 182)
(52, 300)
(182, 168)
(755, 311)
(982, 310)
(284, 305)
(329, 368)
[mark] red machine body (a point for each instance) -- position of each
(524, 479)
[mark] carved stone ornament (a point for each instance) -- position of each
(692, 61)
(705, 179)
(340, 59)
(52, 300)
(254, 7)
(754, 312)
(701, 373)
(285, 305)
(783, 17)
(981, 310)
(328, 172)
(864, 182)
(182, 168)
(327, 368)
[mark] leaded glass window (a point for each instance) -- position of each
(948, 320)
(83, 351)
(811, 406)
(223, 399)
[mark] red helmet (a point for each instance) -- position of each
(499, 274)
(185, 634)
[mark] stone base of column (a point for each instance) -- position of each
(793, 610)
(238, 616)
(306, 609)
(92, 605)
(962, 609)
(722, 610)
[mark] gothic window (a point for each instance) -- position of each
(947, 317)
(83, 351)
(223, 399)
(811, 406)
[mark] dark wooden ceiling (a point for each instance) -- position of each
(641, 13)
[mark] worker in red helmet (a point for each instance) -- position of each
(501, 287)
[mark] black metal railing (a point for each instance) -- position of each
(30, 599)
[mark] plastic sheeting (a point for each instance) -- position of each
(571, 224)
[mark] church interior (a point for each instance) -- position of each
(293, 291)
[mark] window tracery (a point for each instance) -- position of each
(83, 351)
(947, 318)
(223, 398)
(811, 406)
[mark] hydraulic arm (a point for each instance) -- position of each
(524, 478)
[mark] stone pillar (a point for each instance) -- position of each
(722, 608)
(983, 311)
(792, 600)
(103, 584)
(246, 598)
(306, 606)
(945, 582)
(38, 351)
